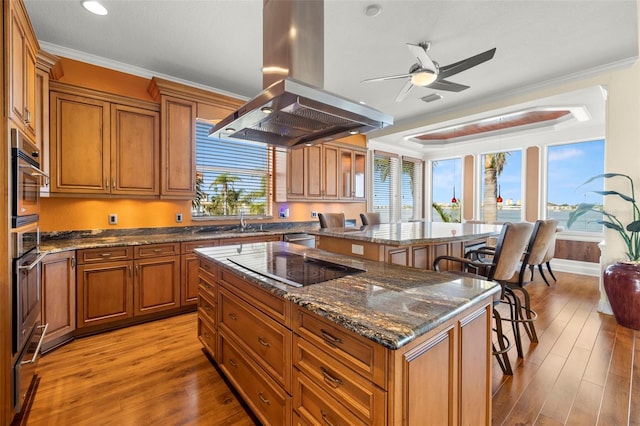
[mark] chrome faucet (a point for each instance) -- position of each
(243, 222)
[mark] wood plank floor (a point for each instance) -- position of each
(585, 370)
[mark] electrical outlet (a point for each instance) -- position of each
(113, 219)
(178, 217)
(314, 214)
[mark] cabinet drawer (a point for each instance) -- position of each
(188, 246)
(208, 267)
(267, 400)
(315, 406)
(357, 353)
(153, 250)
(267, 341)
(104, 254)
(275, 306)
(207, 336)
(362, 397)
(206, 308)
(208, 286)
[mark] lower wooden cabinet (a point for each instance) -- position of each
(105, 292)
(156, 284)
(59, 297)
(337, 376)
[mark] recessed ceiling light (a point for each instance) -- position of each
(267, 110)
(372, 10)
(94, 7)
(354, 132)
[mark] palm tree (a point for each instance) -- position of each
(493, 165)
(226, 199)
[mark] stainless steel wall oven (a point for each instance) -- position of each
(26, 179)
(28, 332)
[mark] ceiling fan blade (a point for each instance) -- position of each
(447, 85)
(465, 64)
(404, 91)
(391, 77)
(421, 54)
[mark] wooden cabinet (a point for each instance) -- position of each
(59, 297)
(177, 147)
(119, 283)
(207, 307)
(104, 285)
(99, 146)
(44, 68)
(156, 284)
(352, 174)
(189, 280)
(456, 360)
(318, 172)
(23, 47)
(291, 365)
(254, 342)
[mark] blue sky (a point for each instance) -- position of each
(569, 166)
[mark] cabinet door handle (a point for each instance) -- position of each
(263, 342)
(324, 418)
(114, 184)
(106, 183)
(330, 379)
(105, 254)
(129, 271)
(233, 317)
(27, 118)
(263, 399)
(233, 363)
(329, 338)
(158, 250)
(73, 262)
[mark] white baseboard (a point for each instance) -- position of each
(576, 267)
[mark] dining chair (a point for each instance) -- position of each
(539, 248)
(504, 262)
(551, 252)
(370, 218)
(331, 220)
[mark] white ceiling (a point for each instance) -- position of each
(218, 43)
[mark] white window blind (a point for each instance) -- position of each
(233, 177)
(397, 187)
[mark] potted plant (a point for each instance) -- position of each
(622, 279)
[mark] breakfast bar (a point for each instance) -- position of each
(415, 244)
(371, 344)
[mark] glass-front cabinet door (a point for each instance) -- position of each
(352, 174)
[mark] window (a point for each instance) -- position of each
(232, 177)
(446, 190)
(568, 166)
(501, 188)
(397, 187)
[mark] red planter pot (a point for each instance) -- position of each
(622, 284)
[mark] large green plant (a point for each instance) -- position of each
(630, 233)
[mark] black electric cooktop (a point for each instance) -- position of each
(292, 268)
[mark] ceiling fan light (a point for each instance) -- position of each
(423, 78)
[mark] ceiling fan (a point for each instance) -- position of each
(427, 73)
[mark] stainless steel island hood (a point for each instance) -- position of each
(293, 108)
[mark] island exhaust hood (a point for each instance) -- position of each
(293, 108)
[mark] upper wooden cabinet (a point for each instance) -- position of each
(326, 172)
(352, 174)
(23, 47)
(101, 145)
(180, 106)
(178, 147)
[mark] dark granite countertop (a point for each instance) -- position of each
(408, 233)
(53, 242)
(391, 305)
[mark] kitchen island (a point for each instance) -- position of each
(382, 345)
(415, 244)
